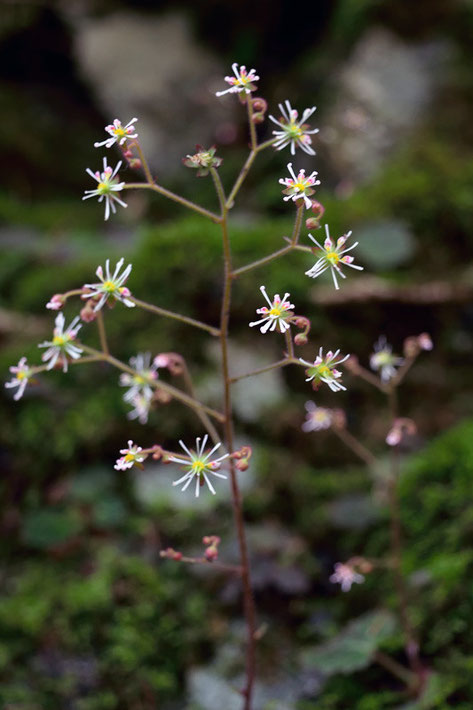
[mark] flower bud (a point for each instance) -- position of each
(87, 314)
(300, 339)
(312, 223)
(211, 553)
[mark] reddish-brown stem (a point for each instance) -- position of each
(217, 565)
(248, 600)
(356, 446)
(102, 333)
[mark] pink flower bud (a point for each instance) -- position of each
(312, 223)
(211, 553)
(87, 314)
(56, 302)
(425, 341)
(300, 339)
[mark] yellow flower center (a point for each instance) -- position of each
(119, 132)
(20, 375)
(294, 130)
(60, 340)
(109, 286)
(275, 311)
(324, 370)
(333, 257)
(300, 185)
(198, 466)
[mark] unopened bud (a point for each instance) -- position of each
(312, 223)
(211, 553)
(87, 314)
(134, 163)
(300, 339)
(425, 341)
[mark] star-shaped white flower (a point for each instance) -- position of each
(130, 456)
(383, 359)
(299, 186)
(62, 345)
(276, 316)
(317, 418)
(346, 576)
(199, 465)
(107, 188)
(293, 132)
(332, 256)
(119, 134)
(141, 381)
(111, 285)
(323, 369)
(21, 375)
(242, 81)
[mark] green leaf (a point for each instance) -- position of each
(354, 647)
(436, 689)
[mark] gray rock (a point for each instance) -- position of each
(384, 91)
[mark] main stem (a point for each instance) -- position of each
(248, 600)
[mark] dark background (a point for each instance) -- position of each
(90, 618)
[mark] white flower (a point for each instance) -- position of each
(242, 81)
(292, 131)
(141, 381)
(62, 343)
(345, 575)
(299, 186)
(107, 187)
(119, 134)
(323, 369)
(141, 405)
(198, 465)
(332, 257)
(383, 359)
(22, 374)
(129, 457)
(276, 316)
(317, 418)
(112, 285)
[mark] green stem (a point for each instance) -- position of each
(241, 177)
(175, 316)
(102, 333)
(356, 446)
(253, 138)
(267, 368)
(144, 163)
(202, 415)
(172, 196)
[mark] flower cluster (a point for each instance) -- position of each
(323, 369)
(331, 256)
(243, 81)
(299, 186)
(118, 133)
(203, 160)
(111, 285)
(294, 132)
(277, 315)
(383, 360)
(199, 465)
(107, 188)
(62, 345)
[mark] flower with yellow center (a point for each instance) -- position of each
(110, 285)
(299, 186)
(141, 381)
(292, 131)
(384, 360)
(107, 187)
(241, 82)
(21, 375)
(277, 316)
(323, 369)
(332, 256)
(62, 345)
(118, 133)
(130, 456)
(199, 465)
(317, 418)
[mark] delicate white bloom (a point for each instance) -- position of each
(21, 375)
(293, 132)
(199, 465)
(276, 316)
(111, 285)
(384, 360)
(107, 187)
(346, 576)
(141, 405)
(317, 418)
(332, 257)
(323, 369)
(299, 186)
(242, 81)
(119, 134)
(141, 381)
(129, 457)
(62, 343)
